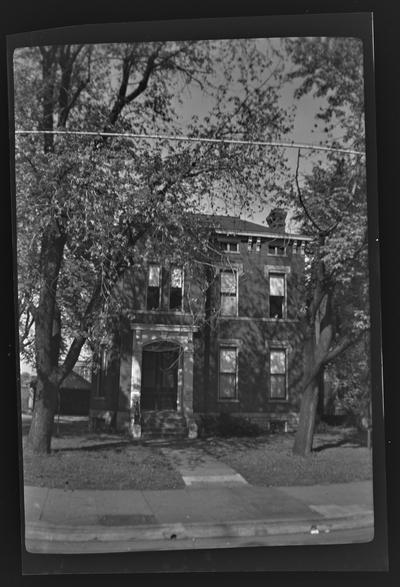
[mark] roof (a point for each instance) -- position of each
(72, 381)
(234, 224)
(239, 226)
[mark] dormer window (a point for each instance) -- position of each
(153, 287)
(176, 288)
(230, 246)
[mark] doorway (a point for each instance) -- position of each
(159, 389)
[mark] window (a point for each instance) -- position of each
(153, 287)
(228, 293)
(277, 295)
(278, 426)
(276, 250)
(277, 370)
(228, 365)
(175, 288)
(230, 247)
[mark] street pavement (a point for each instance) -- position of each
(217, 506)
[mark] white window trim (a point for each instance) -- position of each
(278, 346)
(275, 253)
(221, 294)
(238, 269)
(229, 343)
(229, 243)
(278, 270)
(181, 309)
(159, 286)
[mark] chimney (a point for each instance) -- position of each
(277, 219)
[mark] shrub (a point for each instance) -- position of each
(225, 425)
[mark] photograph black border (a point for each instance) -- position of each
(361, 557)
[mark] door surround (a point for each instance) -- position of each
(180, 335)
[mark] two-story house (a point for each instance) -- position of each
(223, 337)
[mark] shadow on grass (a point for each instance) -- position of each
(106, 445)
(355, 438)
(67, 426)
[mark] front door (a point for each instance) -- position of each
(159, 377)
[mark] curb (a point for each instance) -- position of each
(180, 531)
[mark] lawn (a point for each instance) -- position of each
(338, 457)
(82, 460)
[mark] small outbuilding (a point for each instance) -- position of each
(74, 397)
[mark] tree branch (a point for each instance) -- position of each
(66, 62)
(311, 219)
(347, 342)
(333, 227)
(124, 99)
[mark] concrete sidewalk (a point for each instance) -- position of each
(85, 521)
(199, 469)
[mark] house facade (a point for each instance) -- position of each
(208, 338)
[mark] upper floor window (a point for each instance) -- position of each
(176, 289)
(278, 374)
(153, 287)
(230, 247)
(229, 293)
(277, 295)
(228, 373)
(276, 250)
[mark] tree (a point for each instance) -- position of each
(332, 206)
(352, 386)
(86, 207)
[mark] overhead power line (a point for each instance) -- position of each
(160, 137)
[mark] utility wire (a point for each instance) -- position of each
(192, 140)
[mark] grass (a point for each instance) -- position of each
(81, 460)
(338, 457)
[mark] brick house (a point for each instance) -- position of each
(223, 337)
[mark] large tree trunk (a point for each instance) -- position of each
(305, 432)
(316, 351)
(41, 430)
(47, 340)
(309, 402)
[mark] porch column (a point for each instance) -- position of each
(187, 395)
(136, 383)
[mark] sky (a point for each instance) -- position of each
(306, 128)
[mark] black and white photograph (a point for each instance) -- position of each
(198, 367)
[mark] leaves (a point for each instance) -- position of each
(330, 197)
(118, 201)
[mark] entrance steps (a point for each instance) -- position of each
(163, 424)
